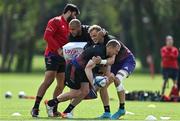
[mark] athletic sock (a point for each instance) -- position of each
(53, 102)
(69, 108)
(37, 102)
(55, 109)
(107, 108)
(121, 105)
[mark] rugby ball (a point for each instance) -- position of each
(100, 81)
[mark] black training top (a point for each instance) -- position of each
(95, 50)
(84, 37)
(124, 51)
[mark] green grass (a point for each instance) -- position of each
(87, 109)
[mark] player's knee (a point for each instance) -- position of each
(121, 75)
(77, 94)
(84, 92)
(120, 88)
(111, 77)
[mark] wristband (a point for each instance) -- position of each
(104, 62)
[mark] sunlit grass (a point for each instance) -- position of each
(87, 109)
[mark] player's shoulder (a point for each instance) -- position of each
(175, 48)
(163, 47)
(98, 47)
(56, 19)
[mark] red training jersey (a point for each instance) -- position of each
(169, 57)
(56, 34)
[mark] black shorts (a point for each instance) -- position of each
(170, 73)
(74, 77)
(55, 63)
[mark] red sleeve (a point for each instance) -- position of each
(163, 52)
(48, 35)
(175, 53)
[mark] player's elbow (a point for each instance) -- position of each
(110, 62)
(88, 69)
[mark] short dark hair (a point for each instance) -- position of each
(72, 8)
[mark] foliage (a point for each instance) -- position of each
(141, 24)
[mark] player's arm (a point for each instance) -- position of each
(108, 61)
(175, 54)
(88, 69)
(163, 52)
(48, 35)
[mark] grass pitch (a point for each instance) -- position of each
(87, 110)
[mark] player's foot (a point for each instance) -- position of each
(49, 109)
(56, 114)
(34, 112)
(66, 115)
(105, 115)
(118, 114)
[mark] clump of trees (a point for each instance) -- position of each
(141, 24)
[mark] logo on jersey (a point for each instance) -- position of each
(126, 68)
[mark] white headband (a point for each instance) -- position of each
(114, 40)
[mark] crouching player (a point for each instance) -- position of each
(123, 66)
(77, 79)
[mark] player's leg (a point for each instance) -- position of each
(49, 78)
(174, 94)
(165, 74)
(122, 71)
(58, 89)
(175, 77)
(60, 77)
(104, 93)
(52, 65)
(70, 77)
(105, 97)
(118, 82)
(84, 91)
(61, 98)
(80, 79)
(75, 101)
(105, 100)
